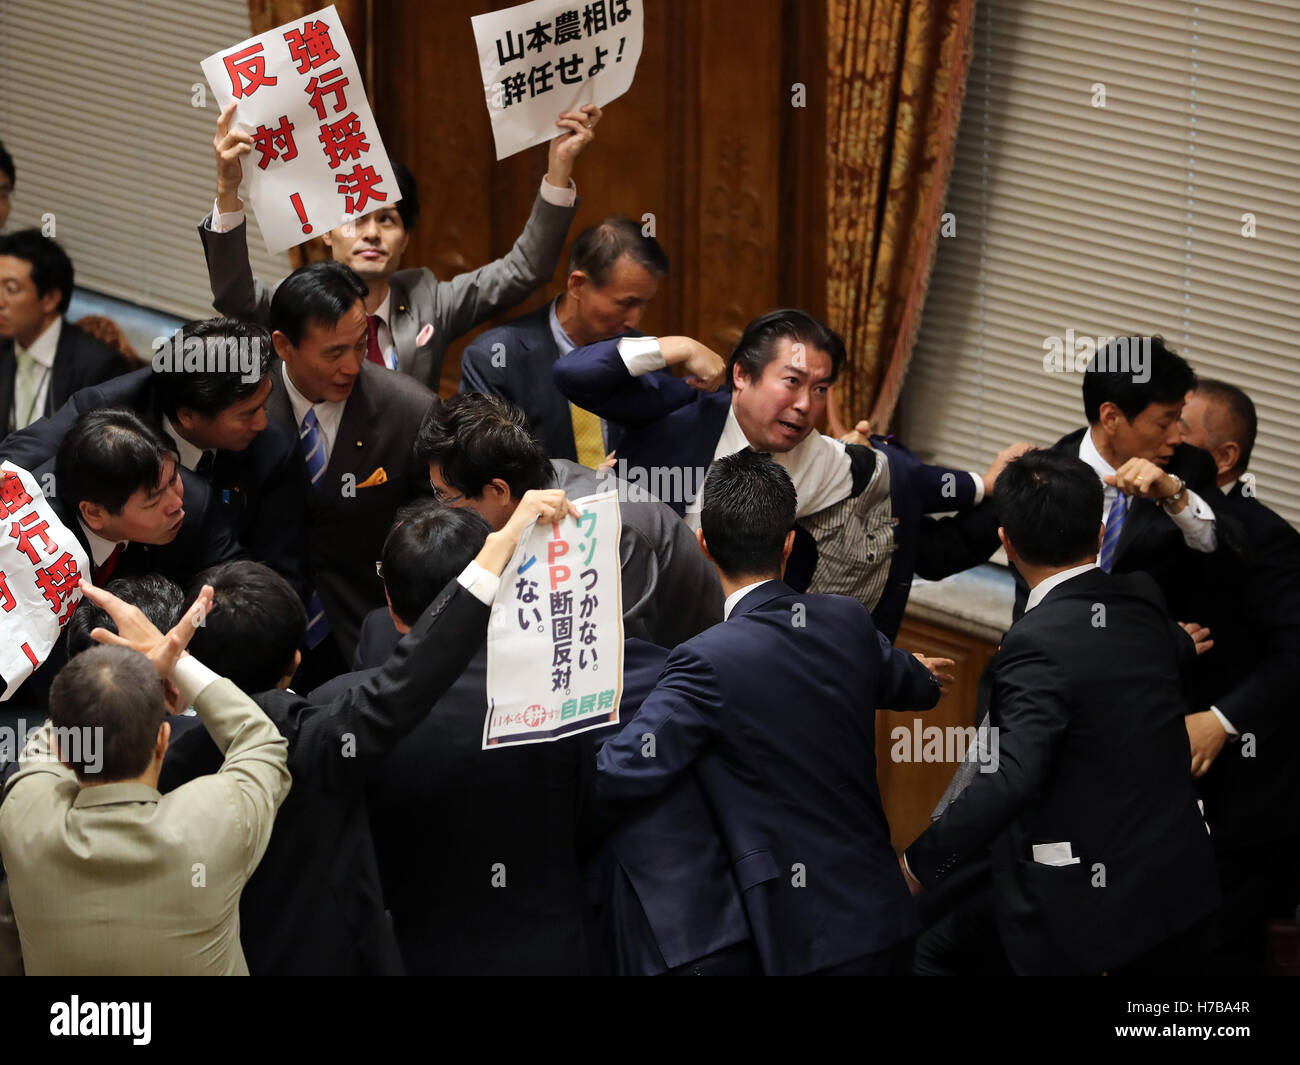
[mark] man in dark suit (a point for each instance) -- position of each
(43, 358)
(1101, 861)
(1159, 491)
(614, 273)
(862, 508)
(775, 710)
(412, 316)
(354, 424)
(314, 906)
(1244, 728)
(115, 485)
(481, 454)
(207, 391)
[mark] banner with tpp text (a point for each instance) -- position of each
(550, 56)
(317, 158)
(555, 635)
(41, 565)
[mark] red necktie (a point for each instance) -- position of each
(372, 352)
(104, 571)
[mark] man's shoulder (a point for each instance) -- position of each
(391, 392)
(85, 349)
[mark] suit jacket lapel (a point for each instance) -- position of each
(65, 363)
(354, 443)
(403, 326)
(8, 367)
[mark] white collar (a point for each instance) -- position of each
(45, 346)
(189, 454)
(562, 339)
(301, 404)
(381, 312)
(1044, 586)
(735, 597)
(100, 548)
(1089, 453)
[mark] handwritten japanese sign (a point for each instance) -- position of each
(317, 159)
(549, 56)
(555, 636)
(41, 563)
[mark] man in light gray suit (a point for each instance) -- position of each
(108, 876)
(412, 315)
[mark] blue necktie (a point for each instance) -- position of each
(1114, 526)
(312, 442)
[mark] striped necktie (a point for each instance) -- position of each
(1114, 527)
(312, 442)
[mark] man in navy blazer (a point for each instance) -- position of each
(614, 273)
(774, 710)
(780, 373)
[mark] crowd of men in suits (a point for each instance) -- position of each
(283, 642)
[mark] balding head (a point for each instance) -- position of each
(1220, 418)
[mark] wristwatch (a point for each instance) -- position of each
(1167, 501)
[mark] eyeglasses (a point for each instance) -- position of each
(445, 499)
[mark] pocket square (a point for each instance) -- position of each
(424, 335)
(377, 478)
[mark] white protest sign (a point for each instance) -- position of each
(549, 56)
(555, 635)
(317, 158)
(41, 562)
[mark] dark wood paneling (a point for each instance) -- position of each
(706, 140)
(910, 789)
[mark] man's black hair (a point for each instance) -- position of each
(757, 345)
(319, 293)
(427, 547)
(749, 507)
(7, 165)
(116, 691)
(1240, 424)
(255, 625)
(159, 599)
(210, 391)
(408, 207)
(597, 248)
(51, 267)
(1111, 372)
(1050, 506)
(475, 438)
(107, 456)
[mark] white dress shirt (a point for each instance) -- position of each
(1195, 521)
(818, 465)
(329, 414)
(100, 548)
(42, 351)
(735, 597)
(1044, 586)
(189, 454)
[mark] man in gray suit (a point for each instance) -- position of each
(107, 876)
(614, 273)
(412, 315)
(481, 454)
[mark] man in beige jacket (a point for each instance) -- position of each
(107, 875)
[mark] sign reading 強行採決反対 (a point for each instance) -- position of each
(555, 635)
(549, 56)
(41, 566)
(317, 158)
